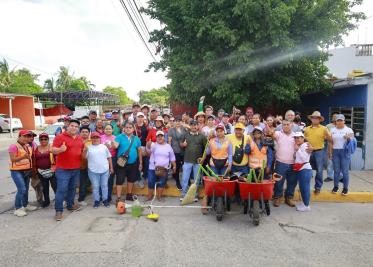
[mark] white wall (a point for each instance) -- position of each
(344, 60)
(369, 130)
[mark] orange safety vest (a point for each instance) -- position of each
(257, 156)
(217, 153)
(24, 164)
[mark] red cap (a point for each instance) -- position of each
(220, 126)
(43, 135)
(25, 132)
(95, 134)
(67, 118)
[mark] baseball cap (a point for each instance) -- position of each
(220, 126)
(160, 133)
(211, 117)
(115, 111)
(25, 132)
(221, 110)
(140, 114)
(178, 118)
(239, 126)
(145, 106)
(135, 105)
(66, 118)
(257, 128)
(159, 118)
(298, 134)
(193, 122)
(95, 134)
(226, 115)
(43, 135)
(340, 117)
(93, 112)
(166, 115)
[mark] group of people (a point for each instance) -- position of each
(139, 145)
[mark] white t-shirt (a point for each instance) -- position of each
(97, 156)
(302, 156)
(338, 136)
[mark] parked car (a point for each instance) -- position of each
(51, 131)
(5, 123)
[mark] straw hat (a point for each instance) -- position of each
(199, 113)
(316, 114)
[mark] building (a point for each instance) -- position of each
(22, 107)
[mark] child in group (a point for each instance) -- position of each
(99, 168)
(303, 170)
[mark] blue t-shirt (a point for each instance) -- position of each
(124, 143)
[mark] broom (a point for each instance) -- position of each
(189, 197)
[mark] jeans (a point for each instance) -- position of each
(317, 161)
(286, 170)
(304, 179)
(152, 179)
(83, 185)
(99, 181)
(67, 180)
(218, 171)
(187, 169)
(110, 183)
(45, 183)
(22, 182)
(330, 169)
(243, 169)
(341, 163)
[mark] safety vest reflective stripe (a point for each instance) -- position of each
(24, 164)
(257, 156)
(217, 153)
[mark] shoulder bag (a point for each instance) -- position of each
(122, 159)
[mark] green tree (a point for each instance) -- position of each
(262, 52)
(120, 92)
(67, 82)
(159, 97)
(20, 81)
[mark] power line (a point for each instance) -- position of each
(137, 18)
(136, 28)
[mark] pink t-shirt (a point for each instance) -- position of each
(106, 139)
(285, 147)
(13, 148)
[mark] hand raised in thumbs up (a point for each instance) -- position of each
(63, 148)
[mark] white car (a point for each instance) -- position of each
(5, 123)
(51, 131)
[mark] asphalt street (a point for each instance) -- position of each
(331, 234)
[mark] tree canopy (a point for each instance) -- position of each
(120, 92)
(158, 97)
(262, 52)
(20, 81)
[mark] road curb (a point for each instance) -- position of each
(324, 196)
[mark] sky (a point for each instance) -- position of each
(94, 38)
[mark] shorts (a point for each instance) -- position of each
(130, 171)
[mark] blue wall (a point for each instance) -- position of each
(345, 97)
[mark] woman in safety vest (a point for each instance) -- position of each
(20, 165)
(220, 149)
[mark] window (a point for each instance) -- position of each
(364, 50)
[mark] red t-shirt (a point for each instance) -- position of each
(152, 134)
(70, 159)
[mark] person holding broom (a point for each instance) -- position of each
(194, 144)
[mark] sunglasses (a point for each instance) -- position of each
(44, 139)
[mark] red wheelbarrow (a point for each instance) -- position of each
(256, 196)
(219, 194)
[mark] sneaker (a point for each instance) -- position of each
(75, 207)
(328, 179)
(58, 216)
(335, 190)
(300, 205)
(290, 202)
(140, 184)
(344, 192)
(82, 203)
(106, 204)
(276, 202)
(316, 191)
(181, 199)
(303, 208)
(195, 199)
(129, 197)
(20, 212)
(97, 204)
(45, 204)
(30, 208)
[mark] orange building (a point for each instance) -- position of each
(22, 108)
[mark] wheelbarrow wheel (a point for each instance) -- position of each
(219, 209)
(256, 212)
(228, 204)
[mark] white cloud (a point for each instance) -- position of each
(93, 37)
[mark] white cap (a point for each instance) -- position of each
(140, 114)
(160, 133)
(298, 134)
